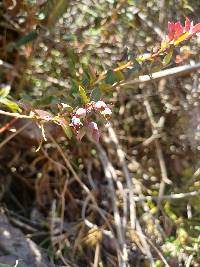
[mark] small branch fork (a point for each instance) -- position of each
(16, 115)
(134, 222)
(111, 175)
(122, 161)
(171, 72)
(121, 222)
(167, 197)
(156, 128)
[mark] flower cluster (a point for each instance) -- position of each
(176, 30)
(82, 120)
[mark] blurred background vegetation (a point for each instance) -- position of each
(134, 198)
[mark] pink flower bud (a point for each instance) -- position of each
(80, 113)
(76, 121)
(106, 112)
(92, 125)
(100, 105)
(94, 131)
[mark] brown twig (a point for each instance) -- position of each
(8, 125)
(6, 140)
(85, 188)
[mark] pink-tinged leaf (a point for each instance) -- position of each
(94, 131)
(178, 27)
(44, 115)
(187, 25)
(195, 29)
(92, 125)
(179, 30)
(177, 33)
(171, 27)
(95, 136)
(81, 133)
(171, 30)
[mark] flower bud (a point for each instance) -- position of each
(76, 121)
(100, 105)
(107, 112)
(94, 131)
(80, 113)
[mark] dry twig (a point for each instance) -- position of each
(156, 127)
(108, 170)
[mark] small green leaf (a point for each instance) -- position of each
(65, 126)
(95, 94)
(24, 40)
(10, 104)
(168, 57)
(110, 77)
(4, 92)
(78, 101)
(134, 70)
(83, 94)
(72, 58)
(67, 107)
(105, 87)
(197, 228)
(119, 76)
(45, 101)
(67, 130)
(85, 80)
(74, 87)
(114, 76)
